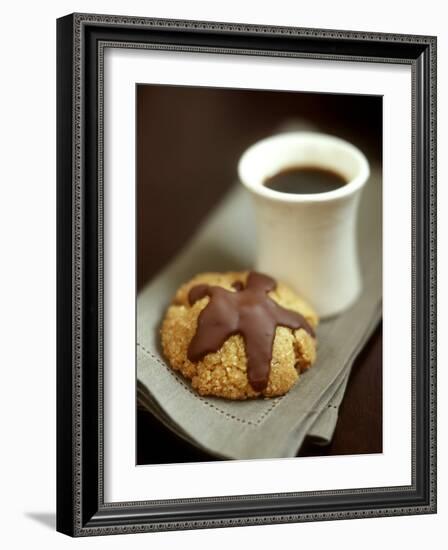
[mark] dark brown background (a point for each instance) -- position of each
(188, 144)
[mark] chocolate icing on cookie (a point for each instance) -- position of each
(249, 312)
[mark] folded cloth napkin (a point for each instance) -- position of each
(260, 428)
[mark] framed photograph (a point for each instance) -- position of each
(246, 274)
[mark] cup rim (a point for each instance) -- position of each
(348, 189)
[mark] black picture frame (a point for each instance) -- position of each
(81, 510)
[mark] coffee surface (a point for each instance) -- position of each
(304, 180)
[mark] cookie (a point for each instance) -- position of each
(239, 335)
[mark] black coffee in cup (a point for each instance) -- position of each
(304, 180)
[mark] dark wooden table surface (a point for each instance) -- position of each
(188, 144)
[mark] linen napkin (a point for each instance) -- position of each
(261, 428)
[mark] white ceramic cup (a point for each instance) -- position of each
(309, 241)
